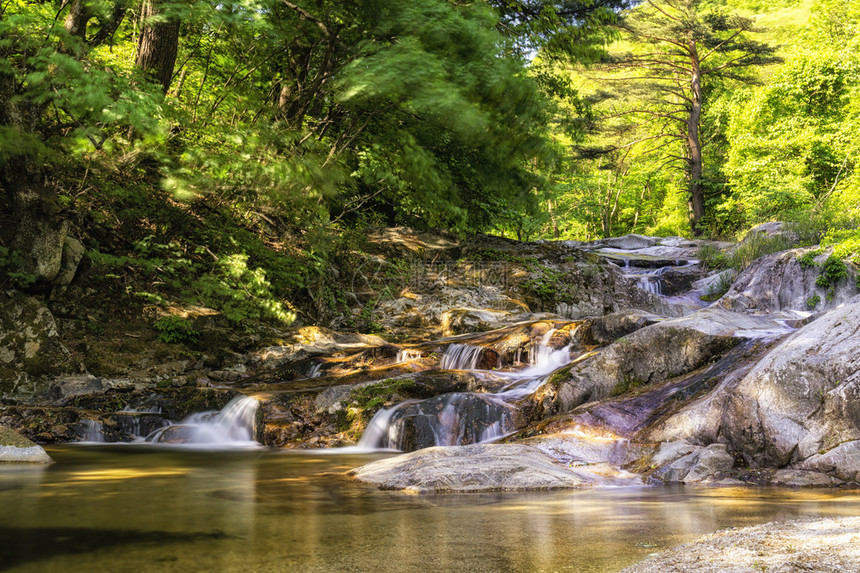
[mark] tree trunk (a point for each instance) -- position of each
(694, 144)
(77, 18)
(159, 42)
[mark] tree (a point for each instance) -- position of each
(158, 43)
(679, 48)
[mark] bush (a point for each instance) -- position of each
(175, 329)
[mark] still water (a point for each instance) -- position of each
(141, 508)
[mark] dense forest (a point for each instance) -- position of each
(229, 154)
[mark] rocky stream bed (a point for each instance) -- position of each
(503, 365)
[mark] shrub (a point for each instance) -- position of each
(175, 329)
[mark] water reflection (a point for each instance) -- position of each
(156, 510)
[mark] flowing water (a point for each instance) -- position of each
(463, 417)
(233, 426)
(154, 509)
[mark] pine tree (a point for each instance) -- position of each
(678, 46)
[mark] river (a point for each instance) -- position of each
(149, 508)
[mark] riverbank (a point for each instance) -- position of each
(822, 545)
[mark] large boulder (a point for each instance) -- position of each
(493, 467)
(650, 355)
(798, 406)
(30, 346)
(15, 448)
(786, 281)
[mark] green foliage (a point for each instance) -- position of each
(712, 257)
(813, 301)
(832, 271)
(755, 246)
(717, 289)
(547, 284)
(175, 329)
(807, 260)
(11, 264)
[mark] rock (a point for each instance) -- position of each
(40, 240)
(779, 282)
(631, 241)
(823, 545)
(30, 347)
(702, 465)
(800, 478)
(774, 230)
(796, 407)
(803, 398)
(609, 328)
(73, 252)
(668, 452)
(492, 467)
(495, 281)
(15, 448)
(684, 344)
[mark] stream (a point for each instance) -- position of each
(154, 508)
(200, 494)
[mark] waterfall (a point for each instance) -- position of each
(405, 355)
(234, 425)
(94, 433)
(464, 418)
(461, 357)
(315, 371)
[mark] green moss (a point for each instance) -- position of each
(560, 376)
(625, 386)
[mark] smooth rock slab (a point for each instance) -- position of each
(15, 448)
(816, 545)
(474, 468)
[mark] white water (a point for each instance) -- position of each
(461, 357)
(234, 425)
(443, 416)
(405, 355)
(94, 433)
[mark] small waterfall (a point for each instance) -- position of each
(463, 418)
(94, 433)
(405, 355)
(650, 283)
(461, 357)
(234, 425)
(315, 371)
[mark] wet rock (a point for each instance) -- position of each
(15, 448)
(493, 467)
(495, 281)
(803, 398)
(796, 407)
(609, 328)
(702, 465)
(451, 420)
(30, 347)
(684, 344)
(800, 478)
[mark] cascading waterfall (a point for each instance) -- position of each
(461, 357)
(94, 432)
(463, 418)
(405, 355)
(234, 425)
